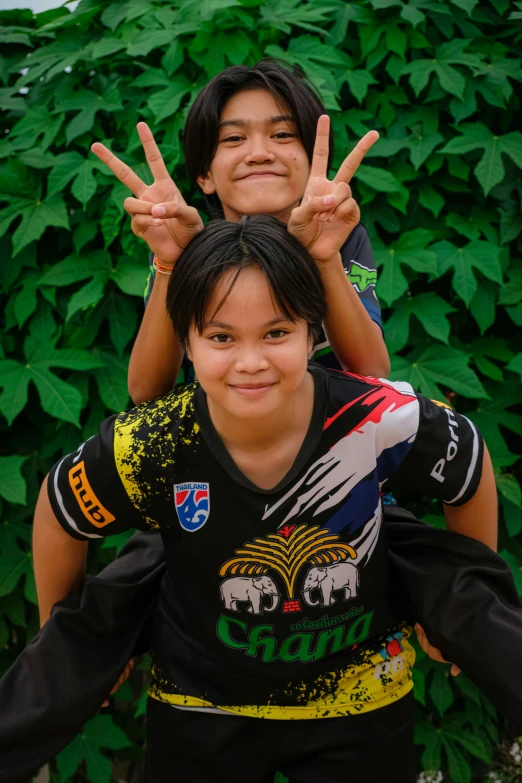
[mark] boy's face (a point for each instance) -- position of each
(260, 165)
(250, 358)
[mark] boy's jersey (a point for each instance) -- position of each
(359, 265)
(274, 603)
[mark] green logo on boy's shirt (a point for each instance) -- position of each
(361, 277)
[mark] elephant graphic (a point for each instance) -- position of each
(341, 576)
(252, 589)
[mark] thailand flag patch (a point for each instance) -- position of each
(192, 501)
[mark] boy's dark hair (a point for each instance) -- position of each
(285, 82)
(256, 241)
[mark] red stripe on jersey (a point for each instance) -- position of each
(384, 398)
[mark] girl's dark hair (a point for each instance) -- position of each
(256, 241)
(285, 82)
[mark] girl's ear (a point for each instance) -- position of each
(188, 351)
(206, 184)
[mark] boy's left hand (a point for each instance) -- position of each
(431, 651)
(328, 213)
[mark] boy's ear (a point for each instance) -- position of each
(206, 184)
(188, 352)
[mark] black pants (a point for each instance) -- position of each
(199, 747)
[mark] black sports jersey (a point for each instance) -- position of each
(359, 265)
(274, 600)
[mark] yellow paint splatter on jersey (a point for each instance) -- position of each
(374, 680)
(145, 439)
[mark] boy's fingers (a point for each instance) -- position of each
(319, 166)
(347, 207)
(455, 671)
(351, 163)
(136, 206)
(188, 216)
(168, 209)
(303, 214)
(152, 153)
(120, 169)
(140, 223)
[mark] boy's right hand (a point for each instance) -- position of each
(159, 212)
(124, 676)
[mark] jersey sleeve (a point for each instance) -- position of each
(445, 458)
(86, 492)
(359, 265)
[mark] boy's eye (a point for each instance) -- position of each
(221, 338)
(284, 135)
(277, 334)
(233, 138)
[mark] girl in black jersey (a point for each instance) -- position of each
(264, 482)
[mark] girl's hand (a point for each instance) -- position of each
(431, 651)
(328, 213)
(160, 214)
(124, 676)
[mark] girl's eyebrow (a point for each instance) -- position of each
(271, 120)
(265, 326)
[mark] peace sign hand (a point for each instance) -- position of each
(160, 214)
(328, 213)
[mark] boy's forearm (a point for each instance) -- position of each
(59, 560)
(478, 518)
(156, 356)
(356, 340)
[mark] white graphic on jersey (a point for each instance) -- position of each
(329, 480)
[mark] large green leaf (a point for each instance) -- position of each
(57, 397)
(438, 365)
(446, 57)
(409, 249)
(432, 312)
(88, 104)
(12, 484)
(494, 413)
(490, 170)
(111, 378)
(99, 732)
(36, 216)
(481, 255)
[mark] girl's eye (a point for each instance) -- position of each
(284, 135)
(233, 138)
(221, 338)
(276, 334)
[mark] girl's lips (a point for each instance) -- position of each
(252, 391)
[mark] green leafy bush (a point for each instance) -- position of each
(440, 194)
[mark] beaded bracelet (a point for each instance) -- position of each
(160, 268)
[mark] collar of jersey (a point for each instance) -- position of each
(310, 443)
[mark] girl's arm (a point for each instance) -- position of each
(59, 560)
(157, 355)
(478, 518)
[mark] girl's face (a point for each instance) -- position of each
(250, 358)
(260, 165)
